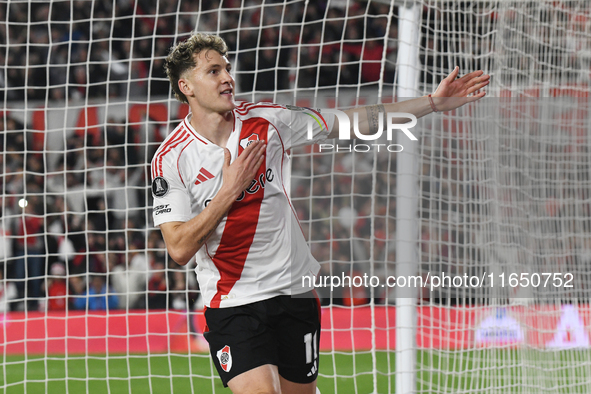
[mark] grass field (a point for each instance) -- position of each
(122, 374)
(469, 371)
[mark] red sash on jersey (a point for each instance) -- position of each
(241, 222)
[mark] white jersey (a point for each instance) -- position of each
(258, 250)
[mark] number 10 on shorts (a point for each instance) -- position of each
(311, 346)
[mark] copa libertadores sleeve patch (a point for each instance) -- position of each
(159, 187)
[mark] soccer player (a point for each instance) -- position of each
(218, 182)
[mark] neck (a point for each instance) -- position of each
(214, 126)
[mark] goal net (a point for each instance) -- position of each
(486, 218)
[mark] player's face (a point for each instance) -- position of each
(211, 83)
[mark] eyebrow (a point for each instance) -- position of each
(218, 65)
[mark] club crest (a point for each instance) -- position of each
(225, 358)
(248, 140)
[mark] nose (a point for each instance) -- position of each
(227, 77)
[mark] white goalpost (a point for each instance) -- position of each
(406, 201)
(489, 211)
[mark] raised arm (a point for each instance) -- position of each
(452, 92)
(184, 239)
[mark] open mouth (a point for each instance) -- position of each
(227, 92)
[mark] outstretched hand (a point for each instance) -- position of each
(454, 92)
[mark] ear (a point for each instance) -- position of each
(185, 87)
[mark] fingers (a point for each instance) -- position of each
(479, 79)
(239, 174)
(252, 157)
(477, 75)
(476, 96)
(253, 146)
(472, 75)
(253, 152)
(261, 158)
(477, 86)
(472, 82)
(258, 155)
(454, 74)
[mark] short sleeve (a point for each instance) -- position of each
(171, 198)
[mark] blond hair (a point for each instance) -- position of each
(182, 57)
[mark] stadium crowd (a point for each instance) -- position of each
(99, 250)
(75, 246)
(71, 51)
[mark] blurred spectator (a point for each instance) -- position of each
(355, 295)
(57, 288)
(130, 282)
(118, 279)
(5, 232)
(179, 296)
(8, 293)
(157, 286)
(159, 84)
(77, 287)
(30, 251)
(78, 261)
(99, 296)
(122, 201)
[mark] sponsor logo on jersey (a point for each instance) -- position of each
(225, 358)
(203, 176)
(257, 184)
(162, 209)
(248, 140)
(159, 187)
